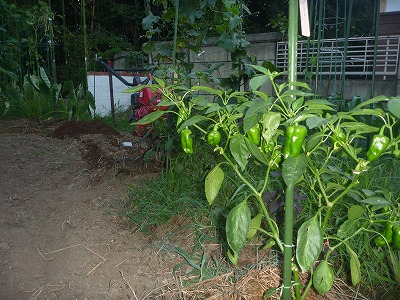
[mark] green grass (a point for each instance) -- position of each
(177, 191)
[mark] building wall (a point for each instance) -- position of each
(390, 5)
(389, 23)
(99, 86)
(263, 47)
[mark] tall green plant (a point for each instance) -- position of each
(308, 134)
(38, 98)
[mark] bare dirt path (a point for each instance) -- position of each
(57, 237)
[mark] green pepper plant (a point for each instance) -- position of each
(293, 137)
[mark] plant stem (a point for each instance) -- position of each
(305, 292)
(342, 194)
(275, 232)
(296, 281)
(288, 242)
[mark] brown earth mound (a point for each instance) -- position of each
(75, 129)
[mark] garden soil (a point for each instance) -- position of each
(59, 239)
(60, 236)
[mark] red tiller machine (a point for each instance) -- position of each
(144, 101)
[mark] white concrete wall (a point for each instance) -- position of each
(100, 88)
(390, 5)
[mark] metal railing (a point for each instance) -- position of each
(333, 59)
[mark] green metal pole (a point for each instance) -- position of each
(377, 18)
(346, 43)
(292, 39)
(289, 197)
(319, 37)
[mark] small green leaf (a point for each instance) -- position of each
(44, 77)
(314, 140)
(254, 114)
(297, 93)
(260, 69)
(309, 243)
(257, 81)
(268, 293)
(316, 121)
(323, 277)
(270, 123)
(297, 104)
(355, 270)
(375, 201)
(394, 107)
(239, 150)
(233, 257)
(255, 151)
(207, 90)
(148, 21)
(213, 183)
(359, 127)
(293, 169)
(372, 101)
(237, 226)
(138, 88)
(300, 84)
(347, 229)
(151, 117)
(355, 212)
(254, 226)
(34, 81)
(191, 121)
(263, 96)
(311, 104)
(367, 112)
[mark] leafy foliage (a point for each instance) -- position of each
(327, 170)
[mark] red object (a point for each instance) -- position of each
(149, 101)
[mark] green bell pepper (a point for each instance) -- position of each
(379, 241)
(254, 134)
(339, 135)
(379, 144)
(214, 137)
(186, 141)
(396, 236)
(295, 136)
(388, 233)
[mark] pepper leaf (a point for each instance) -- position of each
(293, 169)
(394, 107)
(191, 121)
(254, 226)
(355, 270)
(316, 121)
(375, 201)
(257, 81)
(347, 229)
(213, 183)
(207, 90)
(355, 212)
(151, 117)
(323, 277)
(239, 150)
(270, 123)
(237, 226)
(256, 152)
(309, 243)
